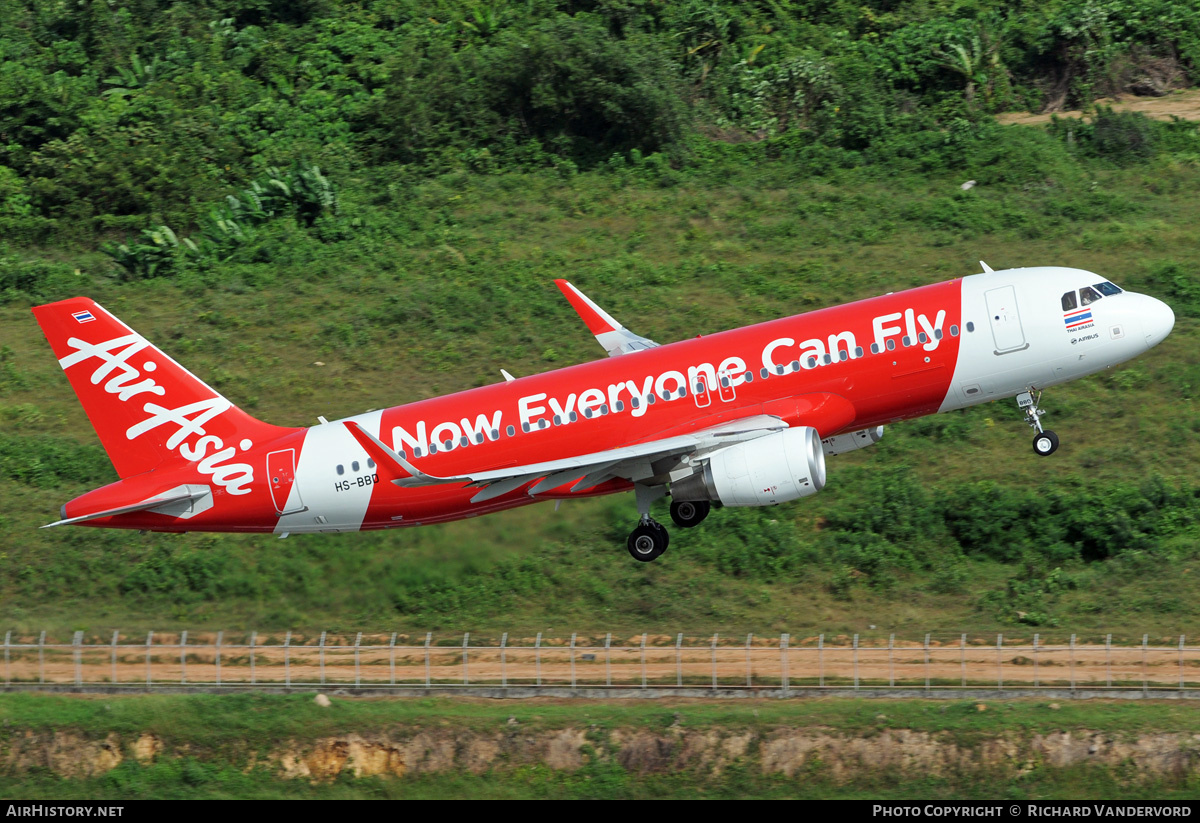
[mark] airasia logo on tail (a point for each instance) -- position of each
(126, 381)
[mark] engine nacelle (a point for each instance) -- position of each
(773, 469)
(843, 443)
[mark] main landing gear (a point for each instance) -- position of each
(689, 513)
(1045, 442)
(649, 540)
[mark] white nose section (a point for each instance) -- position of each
(1158, 320)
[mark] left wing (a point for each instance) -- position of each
(637, 463)
(615, 338)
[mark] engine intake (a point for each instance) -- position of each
(773, 469)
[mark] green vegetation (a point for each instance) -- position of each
(208, 744)
(387, 188)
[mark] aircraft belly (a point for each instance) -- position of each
(328, 509)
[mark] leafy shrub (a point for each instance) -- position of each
(48, 462)
(1177, 285)
(24, 280)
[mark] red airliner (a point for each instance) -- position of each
(743, 418)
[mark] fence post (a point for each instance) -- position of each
(42, 657)
(7, 643)
(428, 637)
(643, 660)
(287, 659)
(183, 657)
(537, 659)
(466, 670)
(607, 668)
(999, 661)
(1181, 661)
(116, 634)
(392, 660)
(820, 661)
(572, 660)
(1108, 659)
(1036, 682)
(714, 662)
(253, 674)
(783, 654)
(1145, 675)
(219, 636)
(678, 661)
(856, 662)
(927, 661)
(962, 656)
(749, 668)
(891, 661)
(503, 670)
(321, 654)
(357, 669)
(149, 639)
(78, 640)
(1072, 662)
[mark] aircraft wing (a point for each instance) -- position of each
(615, 338)
(635, 463)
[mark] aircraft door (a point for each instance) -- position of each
(1005, 320)
(281, 474)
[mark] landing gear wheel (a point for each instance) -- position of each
(648, 541)
(1045, 443)
(689, 513)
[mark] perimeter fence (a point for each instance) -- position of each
(645, 661)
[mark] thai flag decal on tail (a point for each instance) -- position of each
(83, 316)
(1075, 319)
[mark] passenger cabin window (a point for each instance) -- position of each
(1068, 301)
(1088, 296)
(354, 465)
(1107, 289)
(341, 469)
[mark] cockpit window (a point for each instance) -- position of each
(1068, 301)
(1087, 296)
(1107, 288)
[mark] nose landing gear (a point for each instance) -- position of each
(1045, 442)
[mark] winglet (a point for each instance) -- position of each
(986, 268)
(393, 466)
(615, 338)
(597, 319)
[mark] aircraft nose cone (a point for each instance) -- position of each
(1158, 320)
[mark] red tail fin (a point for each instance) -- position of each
(146, 408)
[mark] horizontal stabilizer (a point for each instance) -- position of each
(179, 495)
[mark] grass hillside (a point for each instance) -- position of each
(261, 746)
(387, 189)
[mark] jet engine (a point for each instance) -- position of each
(772, 469)
(843, 443)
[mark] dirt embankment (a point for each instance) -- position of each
(1184, 104)
(1164, 757)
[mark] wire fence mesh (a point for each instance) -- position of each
(646, 661)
